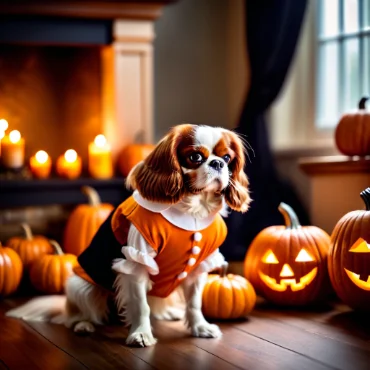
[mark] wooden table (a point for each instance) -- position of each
(330, 338)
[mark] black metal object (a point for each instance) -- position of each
(21, 193)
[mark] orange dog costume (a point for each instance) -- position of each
(180, 244)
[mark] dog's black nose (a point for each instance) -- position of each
(216, 164)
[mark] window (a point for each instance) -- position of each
(343, 64)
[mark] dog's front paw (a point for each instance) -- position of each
(206, 330)
(140, 339)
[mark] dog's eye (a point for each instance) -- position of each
(196, 158)
(226, 158)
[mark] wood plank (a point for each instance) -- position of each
(94, 351)
(333, 353)
(341, 324)
(175, 350)
(22, 348)
(248, 352)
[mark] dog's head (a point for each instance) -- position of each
(193, 159)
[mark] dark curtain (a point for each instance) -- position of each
(272, 30)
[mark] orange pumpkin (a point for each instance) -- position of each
(31, 247)
(349, 257)
(131, 155)
(227, 296)
(85, 221)
(50, 272)
(288, 264)
(352, 135)
(11, 269)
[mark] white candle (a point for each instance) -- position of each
(12, 150)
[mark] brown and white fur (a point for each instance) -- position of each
(197, 169)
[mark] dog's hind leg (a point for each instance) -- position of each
(86, 305)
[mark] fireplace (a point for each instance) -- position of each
(70, 70)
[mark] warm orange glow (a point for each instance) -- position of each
(70, 156)
(3, 125)
(100, 141)
(355, 278)
(270, 257)
(303, 256)
(284, 283)
(2, 134)
(360, 246)
(41, 156)
(14, 136)
(286, 271)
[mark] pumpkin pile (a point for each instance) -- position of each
(349, 257)
(287, 265)
(85, 221)
(227, 296)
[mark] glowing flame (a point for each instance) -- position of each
(3, 124)
(70, 155)
(100, 141)
(41, 156)
(14, 136)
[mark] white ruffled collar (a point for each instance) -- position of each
(173, 215)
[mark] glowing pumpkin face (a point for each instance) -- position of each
(349, 257)
(280, 276)
(287, 264)
(361, 276)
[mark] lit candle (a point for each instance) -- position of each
(40, 165)
(69, 165)
(100, 158)
(12, 150)
(3, 127)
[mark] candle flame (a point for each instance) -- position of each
(70, 155)
(3, 124)
(100, 141)
(41, 156)
(14, 136)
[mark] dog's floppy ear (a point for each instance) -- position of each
(159, 177)
(237, 193)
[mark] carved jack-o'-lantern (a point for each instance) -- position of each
(349, 257)
(287, 264)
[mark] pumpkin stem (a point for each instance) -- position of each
(290, 217)
(27, 231)
(365, 195)
(224, 268)
(362, 103)
(57, 248)
(92, 195)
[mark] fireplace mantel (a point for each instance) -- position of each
(138, 10)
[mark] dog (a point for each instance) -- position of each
(161, 242)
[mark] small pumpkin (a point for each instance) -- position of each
(30, 247)
(352, 135)
(11, 269)
(288, 264)
(49, 273)
(131, 155)
(227, 296)
(349, 257)
(85, 221)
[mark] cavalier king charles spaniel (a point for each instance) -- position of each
(161, 242)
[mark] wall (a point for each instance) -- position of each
(200, 63)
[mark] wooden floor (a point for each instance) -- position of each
(271, 339)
